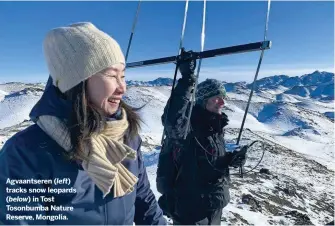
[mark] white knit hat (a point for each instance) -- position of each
(78, 51)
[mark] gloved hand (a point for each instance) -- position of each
(187, 65)
(167, 203)
(239, 158)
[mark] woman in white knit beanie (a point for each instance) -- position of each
(85, 136)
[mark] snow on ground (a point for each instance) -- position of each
(2, 139)
(15, 109)
(278, 90)
(13, 87)
(318, 148)
(244, 96)
(2, 95)
(235, 120)
(320, 152)
(154, 99)
(315, 105)
(249, 216)
(287, 98)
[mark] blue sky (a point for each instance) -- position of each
(302, 34)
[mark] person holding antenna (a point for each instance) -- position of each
(193, 173)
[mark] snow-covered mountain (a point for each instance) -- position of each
(317, 78)
(17, 102)
(317, 85)
(270, 82)
(299, 90)
(294, 182)
(156, 82)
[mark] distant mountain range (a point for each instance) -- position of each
(156, 82)
(319, 85)
(313, 79)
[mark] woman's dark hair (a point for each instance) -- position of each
(85, 119)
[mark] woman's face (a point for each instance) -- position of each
(106, 88)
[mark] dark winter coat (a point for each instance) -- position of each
(32, 154)
(191, 175)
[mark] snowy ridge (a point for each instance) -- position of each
(156, 82)
(15, 107)
(318, 85)
(12, 87)
(2, 95)
(299, 90)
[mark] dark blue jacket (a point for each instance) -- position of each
(32, 154)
